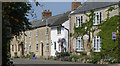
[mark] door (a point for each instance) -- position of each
(41, 48)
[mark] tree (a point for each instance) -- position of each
(13, 17)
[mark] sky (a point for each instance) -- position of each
(55, 7)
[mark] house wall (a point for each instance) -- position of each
(42, 37)
(73, 21)
(55, 37)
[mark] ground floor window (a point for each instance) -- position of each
(36, 47)
(25, 47)
(79, 44)
(30, 47)
(97, 43)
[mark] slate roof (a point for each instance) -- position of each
(87, 6)
(52, 21)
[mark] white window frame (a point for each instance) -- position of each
(37, 46)
(47, 47)
(47, 31)
(36, 32)
(30, 47)
(26, 47)
(98, 20)
(79, 44)
(96, 44)
(29, 34)
(79, 21)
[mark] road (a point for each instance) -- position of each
(40, 61)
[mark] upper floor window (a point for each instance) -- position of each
(79, 21)
(97, 18)
(29, 34)
(36, 47)
(97, 43)
(47, 31)
(58, 30)
(79, 44)
(36, 32)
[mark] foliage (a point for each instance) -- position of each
(15, 53)
(73, 56)
(62, 54)
(32, 54)
(71, 34)
(108, 45)
(86, 27)
(110, 9)
(14, 17)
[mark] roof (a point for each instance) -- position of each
(52, 21)
(87, 6)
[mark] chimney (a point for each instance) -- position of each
(46, 13)
(75, 5)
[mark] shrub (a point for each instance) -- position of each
(15, 55)
(73, 56)
(94, 60)
(32, 54)
(62, 54)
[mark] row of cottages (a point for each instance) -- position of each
(44, 37)
(47, 36)
(78, 17)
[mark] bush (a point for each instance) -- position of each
(32, 54)
(94, 60)
(15, 55)
(62, 54)
(73, 56)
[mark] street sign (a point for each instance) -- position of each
(113, 35)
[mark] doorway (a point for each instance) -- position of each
(41, 49)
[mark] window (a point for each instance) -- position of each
(36, 32)
(58, 30)
(12, 47)
(36, 47)
(55, 45)
(25, 47)
(79, 44)
(59, 47)
(30, 47)
(30, 34)
(79, 21)
(47, 46)
(47, 31)
(97, 43)
(97, 18)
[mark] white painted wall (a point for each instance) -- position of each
(55, 37)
